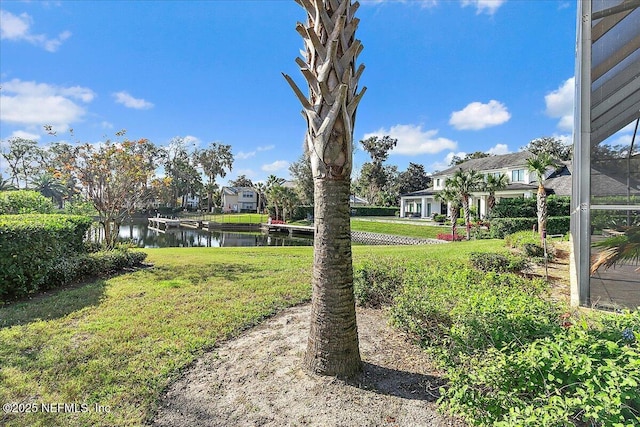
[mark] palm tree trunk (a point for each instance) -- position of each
(332, 348)
(331, 50)
(467, 216)
(542, 210)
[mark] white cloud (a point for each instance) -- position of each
(498, 149)
(247, 155)
(17, 28)
(241, 155)
(278, 165)
(566, 139)
(477, 115)
(444, 163)
(191, 140)
(413, 140)
(37, 104)
(487, 6)
(560, 104)
(25, 135)
(129, 101)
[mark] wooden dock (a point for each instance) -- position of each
(162, 224)
(304, 230)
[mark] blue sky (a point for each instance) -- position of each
(445, 77)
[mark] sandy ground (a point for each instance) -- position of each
(257, 380)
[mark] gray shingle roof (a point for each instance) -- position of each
(492, 162)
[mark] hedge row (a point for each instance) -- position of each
(521, 207)
(32, 245)
(501, 227)
(24, 202)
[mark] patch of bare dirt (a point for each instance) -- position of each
(257, 380)
(558, 272)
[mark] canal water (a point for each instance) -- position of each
(142, 236)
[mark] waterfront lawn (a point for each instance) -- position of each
(401, 229)
(119, 342)
(238, 218)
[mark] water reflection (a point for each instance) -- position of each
(142, 236)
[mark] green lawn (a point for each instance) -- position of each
(119, 342)
(401, 229)
(233, 218)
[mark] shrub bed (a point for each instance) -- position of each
(511, 355)
(32, 245)
(500, 227)
(498, 263)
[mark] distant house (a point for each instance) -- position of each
(239, 199)
(522, 183)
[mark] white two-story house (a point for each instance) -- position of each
(522, 183)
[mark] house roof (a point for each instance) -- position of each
(235, 190)
(490, 163)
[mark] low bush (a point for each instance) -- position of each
(71, 268)
(529, 244)
(373, 211)
(439, 218)
(376, 282)
(24, 202)
(586, 374)
(498, 263)
(452, 306)
(450, 237)
(32, 245)
(501, 227)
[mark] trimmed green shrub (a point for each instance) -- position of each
(373, 211)
(497, 263)
(77, 266)
(500, 227)
(521, 207)
(32, 245)
(24, 202)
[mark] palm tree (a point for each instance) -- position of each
(463, 183)
(50, 187)
(289, 201)
(449, 195)
(331, 51)
(260, 188)
(539, 166)
(494, 183)
(625, 247)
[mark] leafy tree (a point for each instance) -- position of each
(539, 166)
(554, 147)
(463, 183)
(289, 200)
(181, 166)
(215, 161)
(456, 160)
(303, 177)
(378, 148)
(375, 179)
(241, 181)
(116, 177)
(494, 183)
(21, 156)
(413, 179)
(330, 109)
